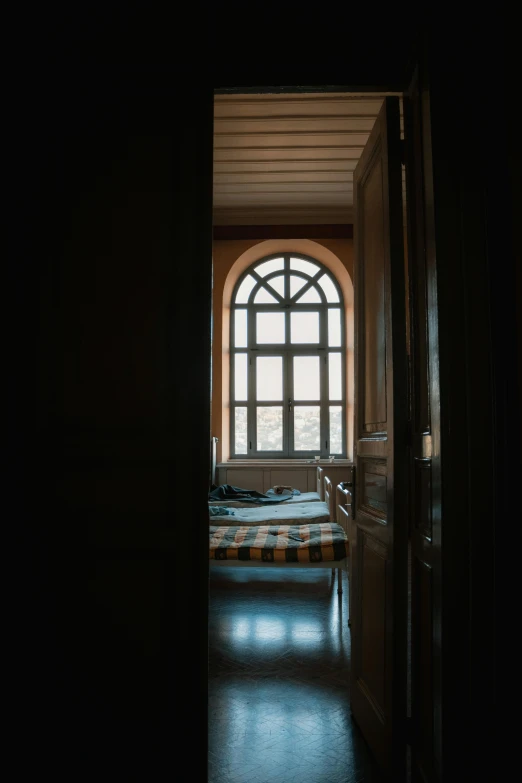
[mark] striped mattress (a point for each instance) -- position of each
(323, 542)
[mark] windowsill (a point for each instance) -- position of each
(283, 461)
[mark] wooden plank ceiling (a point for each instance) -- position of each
(289, 158)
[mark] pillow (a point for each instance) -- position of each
(282, 489)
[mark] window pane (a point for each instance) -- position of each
(312, 296)
(269, 378)
(244, 289)
(240, 329)
(270, 266)
(306, 378)
(304, 266)
(270, 327)
(304, 327)
(334, 328)
(329, 289)
(336, 429)
(269, 428)
(334, 376)
(307, 435)
(240, 377)
(240, 431)
(296, 283)
(278, 283)
(263, 297)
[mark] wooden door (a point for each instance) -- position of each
(379, 546)
(425, 519)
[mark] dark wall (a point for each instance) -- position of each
(109, 416)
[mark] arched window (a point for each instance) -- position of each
(287, 360)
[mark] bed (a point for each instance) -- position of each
(298, 532)
(280, 513)
(321, 543)
(303, 497)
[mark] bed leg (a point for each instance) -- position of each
(340, 581)
(348, 601)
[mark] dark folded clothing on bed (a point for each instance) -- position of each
(229, 492)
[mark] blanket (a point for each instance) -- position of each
(229, 492)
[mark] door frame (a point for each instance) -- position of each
(401, 731)
(457, 456)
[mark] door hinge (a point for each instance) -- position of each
(250, 444)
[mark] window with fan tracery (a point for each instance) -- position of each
(287, 360)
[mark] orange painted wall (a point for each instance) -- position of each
(226, 254)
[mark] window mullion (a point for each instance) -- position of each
(323, 379)
(288, 394)
(251, 408)
(287, 359)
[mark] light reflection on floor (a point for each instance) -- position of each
(278, 680)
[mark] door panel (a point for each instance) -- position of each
(379, 555)
(373, 625)
(425, 452)
(374, 389)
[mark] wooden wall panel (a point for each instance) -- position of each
(293, 478)
(246, 479)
